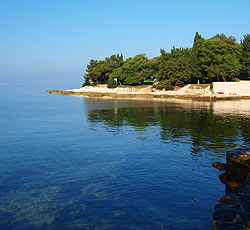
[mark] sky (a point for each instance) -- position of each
(52, 41)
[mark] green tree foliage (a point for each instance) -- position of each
(115, 61)
(198, 40)
(90, 72)
(219, 57)
(175, 67)
(111, 83)
(99, 71)
(134, 70)
(153, 66)
(246, 54)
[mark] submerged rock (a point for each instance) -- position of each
(219, 165)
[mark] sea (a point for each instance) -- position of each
(71, 162)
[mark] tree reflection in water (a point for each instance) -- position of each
(209, 126)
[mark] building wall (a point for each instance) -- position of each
(241, 88)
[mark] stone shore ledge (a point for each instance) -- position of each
(202, 94)
(233, 210)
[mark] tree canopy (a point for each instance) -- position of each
(246, 54)
(134, 70)
(219, 58)
(99, 71)
(175, 67)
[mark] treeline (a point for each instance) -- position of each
(219, 58)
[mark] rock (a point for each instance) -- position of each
(233, 210)
(225, 215)
(220, 166)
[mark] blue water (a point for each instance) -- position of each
(69, 162)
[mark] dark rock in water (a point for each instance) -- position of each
(226, 215)
(224, 178)
(194, 199)
(220, 166)
(233, 210)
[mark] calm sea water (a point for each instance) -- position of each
(69, 162)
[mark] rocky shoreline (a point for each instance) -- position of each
(233, 210)
(187, 92)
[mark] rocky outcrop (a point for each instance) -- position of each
(191, 91)
(138, 90)
(233, 210)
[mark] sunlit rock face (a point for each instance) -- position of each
(233, 210)
(232, 88)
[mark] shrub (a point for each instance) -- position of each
(168, 86)
(111, 83)
(163, 85)
(235, 79)
(159, 85)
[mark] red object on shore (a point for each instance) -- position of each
(220, 92)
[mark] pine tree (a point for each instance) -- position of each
(195, 56)
(246, 54)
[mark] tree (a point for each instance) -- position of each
(154, 66)
(115, 61)
(99, 71)
(197, 44)
(133, 71)
(219, 57)
(90, 75)
(246, 54)
(175, 67)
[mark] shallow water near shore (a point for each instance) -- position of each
(70, 162)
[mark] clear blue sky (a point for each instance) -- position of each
(51, 41)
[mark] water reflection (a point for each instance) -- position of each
(233, 107)
(219, 125)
